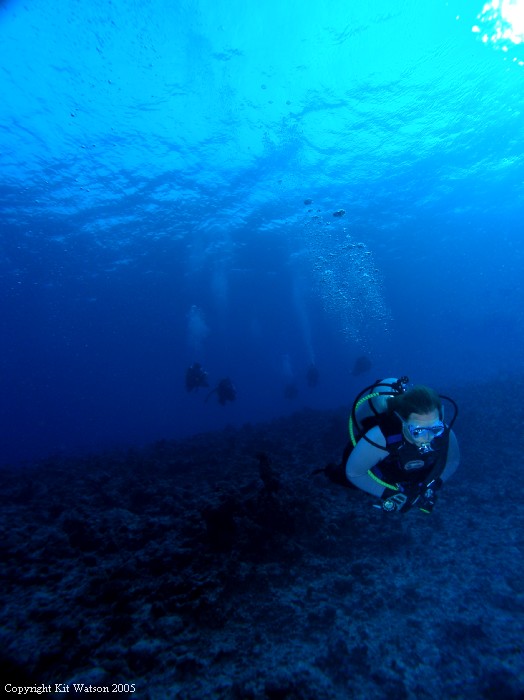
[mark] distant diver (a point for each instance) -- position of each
(268, 475)
(312, 375)
(361, 366)
(290, 391)
(225, 391)
(196, 377)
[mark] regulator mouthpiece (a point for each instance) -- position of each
(425, 448)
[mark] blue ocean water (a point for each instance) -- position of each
(258, 187)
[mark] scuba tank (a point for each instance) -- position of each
(370, 403)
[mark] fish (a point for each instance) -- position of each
(362, 365)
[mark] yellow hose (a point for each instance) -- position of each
(350, 426)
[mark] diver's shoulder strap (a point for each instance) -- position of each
(389, 427)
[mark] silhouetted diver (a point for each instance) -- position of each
(361, 366)
(312, 375)
(291, 391)
(225, 391)
(196, 377)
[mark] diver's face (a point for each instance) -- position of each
(412, 428)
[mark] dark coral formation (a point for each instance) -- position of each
(217, 567)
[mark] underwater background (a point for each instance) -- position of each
(303, 198)
(156, 161)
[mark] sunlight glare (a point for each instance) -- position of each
(503, 22)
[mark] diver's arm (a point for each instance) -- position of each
(453, 457)
(362, 458)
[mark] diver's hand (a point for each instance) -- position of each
(403, 499)
(398, 502)
(429, 497)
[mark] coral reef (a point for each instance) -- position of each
(217, 567)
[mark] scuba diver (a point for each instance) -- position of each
(196, 377)
(400, 450)
(291, 391)
(225, 391)
(312, 375)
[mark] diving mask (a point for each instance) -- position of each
(432, 431)
(428, 432)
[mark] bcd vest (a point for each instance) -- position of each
(404, 463)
